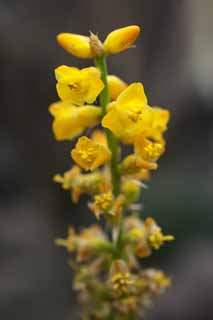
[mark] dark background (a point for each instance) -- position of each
(173, 59)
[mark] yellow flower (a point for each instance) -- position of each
(67, 179)
(90, 155)
(69, 243)
(78, 183)
(148, 149)
(120, 279)
(130, 114)
(133, 165)
(78, 86)
(157, 239)
(86, 243)
(102, 203)
(75, 44)
(116, 86)
(155, 236)
(70, 121)
(121, 39)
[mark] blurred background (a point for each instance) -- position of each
(174, 61)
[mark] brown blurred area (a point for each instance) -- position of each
(173, 59)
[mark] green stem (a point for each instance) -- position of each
(112, 141)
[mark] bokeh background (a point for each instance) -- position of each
(173, 59)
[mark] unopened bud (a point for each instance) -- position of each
(121, 39)
(75, 44)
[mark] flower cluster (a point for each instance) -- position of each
(104, 113)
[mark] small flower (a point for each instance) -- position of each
(149, 149)
(86, 243)
(133, 165)
(78, 86)
(69, 243)
(157, 239)
(129, 115)
(106, 203)
(116, 86)
(67, 179)
(121, 39)
(78, 183)
(75, 44)
(102, 203)
(70, 120)
(120, 279)
(90, 155)
(155, 236)
(155, 281)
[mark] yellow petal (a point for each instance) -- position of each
(133, 94)
(65, 74)
(75, 44)
(121, 39)
(96, 85)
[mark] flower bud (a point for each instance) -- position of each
(116, 86)
(75, 44)
(131, 190)
(121, 39)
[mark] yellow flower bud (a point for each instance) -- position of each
(131, 190)
(116, 86)
(121, 39)
(75, 44)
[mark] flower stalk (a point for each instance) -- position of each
(106, 261)
(112, 141)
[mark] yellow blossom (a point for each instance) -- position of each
(86, 242)
(121, 39)
(155, 280)
(130, 114)
(133, 165)
(69, 243)
(102, 203)
(78, 183)
(116, 86)
(78, 86)
(149, 149)
(75, 44)
(67, 179)
(70, 120)
(90, 155)
(155, 236)
(158, 238)
(120, 278)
